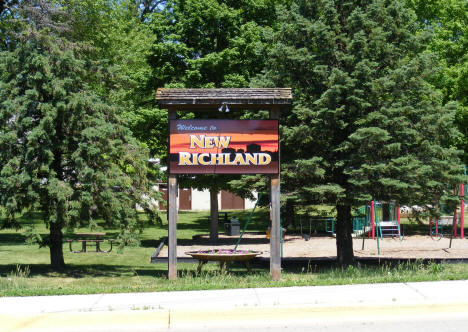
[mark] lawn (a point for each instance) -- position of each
(24, 268)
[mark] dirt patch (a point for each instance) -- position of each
(416, 246)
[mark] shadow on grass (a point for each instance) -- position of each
(81, 271)
(151, 243)
(111, 271)
(299, 266)
(12, 239)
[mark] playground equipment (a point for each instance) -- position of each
(381, 219)
(378, 218)
(387, 224)
(282, 230)
(463, 192)
(362, 222)
(460, 217)
(306, 236)
(441, 226)
(325, 224)
(450, 218)
(248, 220)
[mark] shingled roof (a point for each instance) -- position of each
(209, 99)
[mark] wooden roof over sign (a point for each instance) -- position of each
(209, 99)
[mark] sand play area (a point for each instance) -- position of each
(320, 247)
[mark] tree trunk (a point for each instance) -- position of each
(344, 240)
(214, 216)
(289, 214)
(56, 236)
(56, 248)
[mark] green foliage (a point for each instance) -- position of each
(447, 20)
(7, 8)
(62, 147)
(120, 41)
(366, 122)
(214, 43)
(211, 44)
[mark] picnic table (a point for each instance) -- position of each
(94, 237)
(223, 216)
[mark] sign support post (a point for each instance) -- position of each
(172, 217)
(275, 234)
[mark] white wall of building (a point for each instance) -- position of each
(250, 204)
(201, 200)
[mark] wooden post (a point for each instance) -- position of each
(214, 226)
(275, 232)
(172, 218)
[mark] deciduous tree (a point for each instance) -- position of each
(447, 21)
(209, 44)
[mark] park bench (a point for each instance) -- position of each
(85, 238)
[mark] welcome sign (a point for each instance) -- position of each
(223, 147)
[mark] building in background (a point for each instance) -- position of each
(195, 200)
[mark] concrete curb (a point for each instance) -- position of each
(423, 293)
(218, 319)
(233, 308)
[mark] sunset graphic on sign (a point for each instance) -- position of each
(223, 146)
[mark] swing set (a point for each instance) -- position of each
(313, 222)
(377, 219)
(450, 219)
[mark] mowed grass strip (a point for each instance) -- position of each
(25, 271)
(37, 280)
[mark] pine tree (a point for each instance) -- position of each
(366, 124)
(63, 150)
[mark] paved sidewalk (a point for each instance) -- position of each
(167, 310)
(422, 293)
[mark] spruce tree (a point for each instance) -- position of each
(366, 123)
(63, 150)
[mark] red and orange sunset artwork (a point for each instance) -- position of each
(223, 146)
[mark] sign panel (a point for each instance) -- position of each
(223, 147)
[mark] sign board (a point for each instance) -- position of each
(223, 147)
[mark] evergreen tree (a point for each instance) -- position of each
(63, 149)
(365, 124)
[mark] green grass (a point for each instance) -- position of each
(24, 268)
(91, 279)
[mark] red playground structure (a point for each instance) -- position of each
(457, 218)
